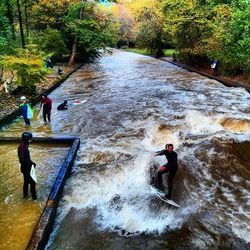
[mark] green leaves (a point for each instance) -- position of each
(204, 30)
(28, 67)
(51, 41)
(92, 26)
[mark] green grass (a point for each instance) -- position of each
(138, 51)
(167, 52)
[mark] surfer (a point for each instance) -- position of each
(171, 167)
(26, 164)
(63, 106)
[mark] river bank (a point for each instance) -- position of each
(9, 103)
(237, 81)
(205, 70)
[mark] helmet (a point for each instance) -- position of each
(26, 136)
(23, 98)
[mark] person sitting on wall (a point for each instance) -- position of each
(63, 106)
(214, 67)
(174, 57)
(60, 71)
(48, 62)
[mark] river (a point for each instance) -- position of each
(132, 105)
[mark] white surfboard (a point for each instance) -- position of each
(79, 102)
(40, 112)
(33, 174)
(161, 195)
(29, 112)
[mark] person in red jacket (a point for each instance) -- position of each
(26, 164)
(46, 103)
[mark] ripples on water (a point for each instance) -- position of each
(135, 105)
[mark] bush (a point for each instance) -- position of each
(27, 66)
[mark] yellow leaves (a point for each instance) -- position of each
(223, 12)
(10, 61)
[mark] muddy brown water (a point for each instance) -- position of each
(18, 216)
(133, 105)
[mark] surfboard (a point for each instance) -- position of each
(161, 195)
(33, 174)
(40, 112)
(79, 102)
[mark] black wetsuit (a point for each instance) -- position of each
(170, 167)
(62, 106)
(26, 163)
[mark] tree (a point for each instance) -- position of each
(28, 67)
(51, 41)
(230, 40)
(189, 25)
(90, 28)
(124, 21)
(20, 23)
(204, 30)
(149, 25)
(9, 14)
(49, 14)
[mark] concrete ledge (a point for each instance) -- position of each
(33, 101)
(226, 82)
(45, 224)
(64, 140)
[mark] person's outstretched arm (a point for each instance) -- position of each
(159, 152)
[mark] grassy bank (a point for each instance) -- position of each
(167, 52)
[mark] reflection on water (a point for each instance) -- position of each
(18, 216)
(134, 106)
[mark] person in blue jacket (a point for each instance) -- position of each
(24, 106)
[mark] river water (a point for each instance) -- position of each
(132, 106)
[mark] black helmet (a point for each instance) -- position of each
(26, 136)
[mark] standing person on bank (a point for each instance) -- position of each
(171, 167)
(47, 106)
(26, 110)
(26, 164)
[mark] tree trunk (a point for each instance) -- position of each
(75, 43)
(73, 52)
(26, 18)
(10, 17)
(20, 24)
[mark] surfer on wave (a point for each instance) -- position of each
(171, 167)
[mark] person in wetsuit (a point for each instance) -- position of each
(26, 163)
(171, 167)
(63, 106)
